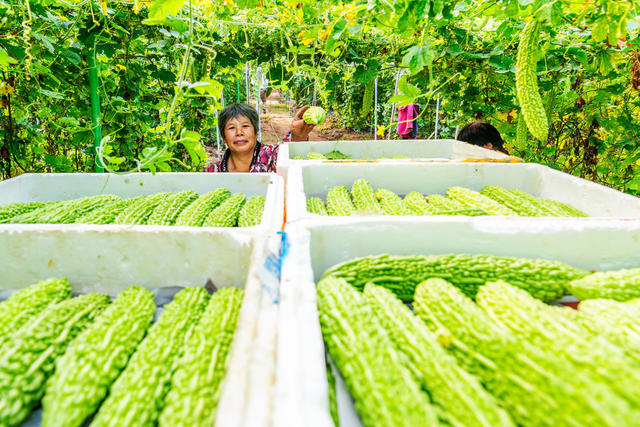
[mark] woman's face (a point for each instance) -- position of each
(239, 135)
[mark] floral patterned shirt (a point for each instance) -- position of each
(264, 160)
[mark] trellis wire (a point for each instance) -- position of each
(375, 109)
(393, 107)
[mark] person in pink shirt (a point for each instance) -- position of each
(238, 124)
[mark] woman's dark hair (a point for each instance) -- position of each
(481, 133)
(232, 111)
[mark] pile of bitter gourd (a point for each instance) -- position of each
(218, 208)
(479, 346)
(87, 359)
(491, 200)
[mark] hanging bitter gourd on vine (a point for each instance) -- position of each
(527, 85)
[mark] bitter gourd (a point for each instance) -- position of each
(547, 327)
(446, 206)
(460, 396)
(14, 209)
(619, 285)
(527, 82)
(618, 322)
(543, 279)
(339, 201)
(537, 387)
(418, 204)
(28, 356)
(139, 212)
(251, 213)
(195, 214)
(473, 199)
(168, 210)
(363, 196)
(226, 215)
(333, 395)
(197, 382)
(23, 305)
(569, 209)
(375, 373)
(95, 358)
(539, 203)
(64, 212)
(521, 133)
(509, 199)
(108, 212)
(138, 395)
(391, 203)
(316, 205)
(315, 156)
(367, 98)
(314, 115)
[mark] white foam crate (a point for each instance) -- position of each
(158, 261)
(301, 388)
(381, 151)
(594, 199)
(147, 255)
(62, 186)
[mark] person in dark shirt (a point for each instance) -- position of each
(482, 134)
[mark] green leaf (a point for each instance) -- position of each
(177, 24)
(161, 9)
(600, 30)
(51, 94)
(247, 4)
(5, 59)
(418, 57)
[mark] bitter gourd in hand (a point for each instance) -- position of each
(527, 82)
(460, 396)
(138, 395)
(28, 356)
(537, 387)
(547, 327)
(375, 373)
(24, 304)
(95, 358)
(197, 382)
(619, 285)
(543, 279)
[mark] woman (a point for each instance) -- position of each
(238, 124)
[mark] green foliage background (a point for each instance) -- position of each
(462, 51)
